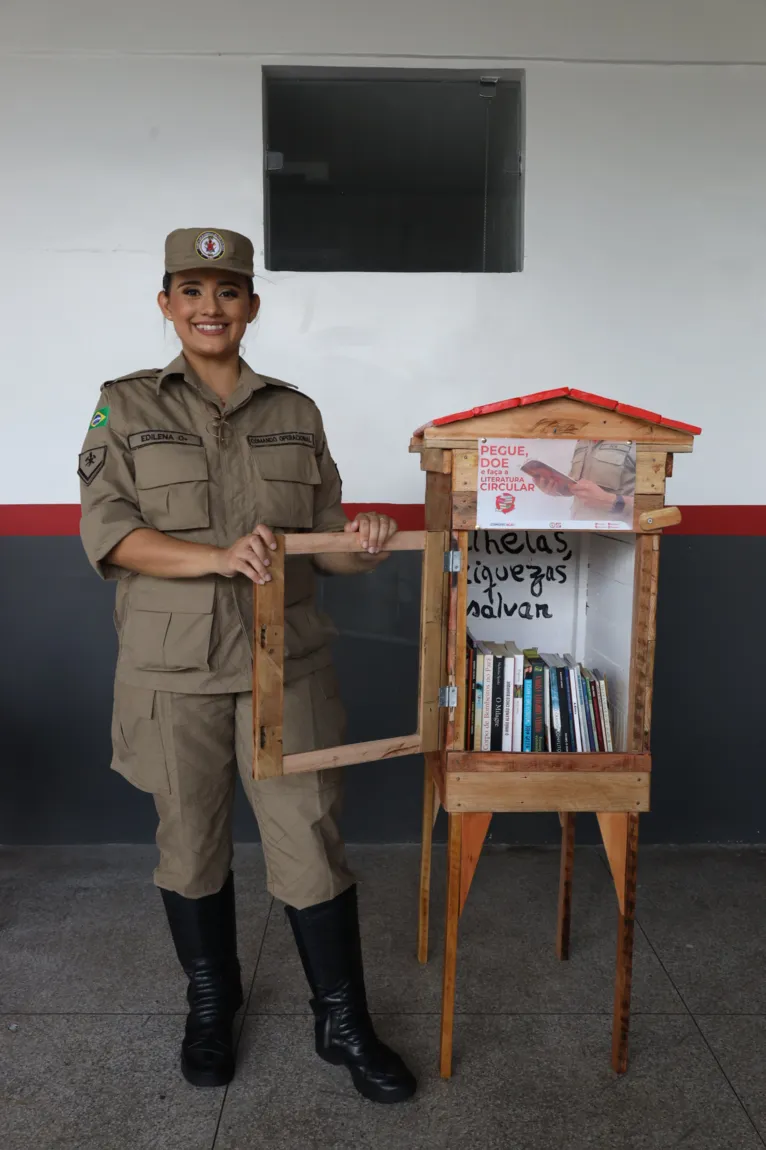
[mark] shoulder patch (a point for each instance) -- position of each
(90, 463)
(100, 417)
(147, 373)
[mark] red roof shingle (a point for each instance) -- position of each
(572, 393)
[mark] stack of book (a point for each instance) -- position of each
(527, 701)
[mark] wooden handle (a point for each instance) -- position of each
(268, 667)
(331, 542)
(656, 520)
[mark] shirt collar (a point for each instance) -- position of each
(249, 381)
(178, 366)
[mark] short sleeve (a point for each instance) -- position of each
(328, 512)
(107, 488)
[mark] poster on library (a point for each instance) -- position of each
(555, 485)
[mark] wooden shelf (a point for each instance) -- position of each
(476, 781)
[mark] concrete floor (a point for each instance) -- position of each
(91, 1010)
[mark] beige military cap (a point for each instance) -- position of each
(188, 248)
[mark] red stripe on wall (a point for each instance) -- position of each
(721, 519)
(39, 519)
(713, 519)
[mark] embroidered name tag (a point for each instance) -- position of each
(144, 438)
(283, 438)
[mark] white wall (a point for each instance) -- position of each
(732, 31)
(645, 231)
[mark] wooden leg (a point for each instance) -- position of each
(450, 944)
(566, 871)
(425, 861)
(625, 928)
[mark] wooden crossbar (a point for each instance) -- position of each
(334, 542)
(344, 756)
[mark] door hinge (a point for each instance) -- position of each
(275, 161)
(447, 696)
(453, 561)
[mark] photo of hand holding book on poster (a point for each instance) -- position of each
(580, 484)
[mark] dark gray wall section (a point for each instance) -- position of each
(58, 650)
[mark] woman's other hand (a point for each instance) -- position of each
(249, 556)
(374, 531)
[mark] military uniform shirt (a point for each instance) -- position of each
(610, 464)
(164, 452)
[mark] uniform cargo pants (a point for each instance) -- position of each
(183, 749)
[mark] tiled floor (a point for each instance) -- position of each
(91, 1010)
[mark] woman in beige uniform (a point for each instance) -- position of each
(185, 473)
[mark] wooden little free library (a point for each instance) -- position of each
(605, 610)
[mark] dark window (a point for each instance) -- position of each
(379, 173)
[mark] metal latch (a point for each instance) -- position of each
(453, 560)
(447, 696)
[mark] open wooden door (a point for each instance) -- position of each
(268, 658)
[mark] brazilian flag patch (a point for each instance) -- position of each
(100, 417)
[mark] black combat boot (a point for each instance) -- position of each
(328, 943)
(204, 931)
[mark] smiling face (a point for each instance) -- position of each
(210, 310)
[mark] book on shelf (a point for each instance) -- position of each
(496, 653)
(547, 703)
(574, 693)
(565, 695)
(587, 707)
(555, 736)
(478, 699)
(584, 731)
(575, 678)
(517, 733)
(491, 723)
(526, 739)
(538, 703)
(605, 716)
(595, 705)
(486, 706)
(534, 702)
(508, 669)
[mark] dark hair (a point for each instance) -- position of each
(167, 278)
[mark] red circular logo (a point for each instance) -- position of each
(210, 245)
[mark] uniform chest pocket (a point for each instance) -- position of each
(606, 467)
(172, 485)
(287, 478)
